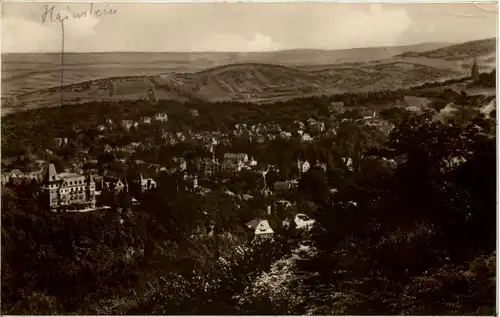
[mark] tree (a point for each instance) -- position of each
(313, 185)
(390, 229)
(58, 163)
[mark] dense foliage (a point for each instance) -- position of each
(420, 238)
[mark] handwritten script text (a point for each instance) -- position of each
(50, 15)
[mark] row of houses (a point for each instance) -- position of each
(128, 124)
(18, 175)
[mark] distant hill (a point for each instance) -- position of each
(23, 73)
(470, 49)
(30, 80)
(251, 82)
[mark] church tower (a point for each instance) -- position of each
(474, 74)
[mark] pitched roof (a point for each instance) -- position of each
(252, 224)
(264, 228)
(51, 173)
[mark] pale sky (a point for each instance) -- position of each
(158, 27)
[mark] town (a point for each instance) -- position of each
(104, 176)
(156, 167)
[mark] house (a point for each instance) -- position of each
(263, 230)
(181, 163)
(236, 157)
(260, 228)
(108, 148)
(114, 185)
(5, 178)
(446, 113)
(336, 107)
(127, 124)
(303, 166)
(302, 221)
(413, 109)
(146, 120)
(207, 167)
(315, 125)
(162, 117)
(252, 162)
(348, 162)
(371, 116)
(194, 112)
(283, 203)
(61, 141)
(234, 162)
(66, 189)
(229, 166)
(134, 201)
(191, 181)
(306, 137)
(146, 183)
(16, 173)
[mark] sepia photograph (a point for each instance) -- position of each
(163, 158)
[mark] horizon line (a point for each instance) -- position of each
(245, 52)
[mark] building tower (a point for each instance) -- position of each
(50, 188)
(474, 73)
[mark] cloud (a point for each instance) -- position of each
(22, 35)
(236, 42)
(78, 29)
(377, 26)
(237, 26)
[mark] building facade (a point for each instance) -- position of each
(65, 190)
